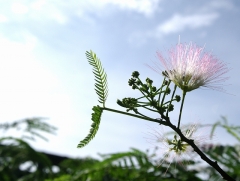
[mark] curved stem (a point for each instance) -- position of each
(180, 113)
(214, 164)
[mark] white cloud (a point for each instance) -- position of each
(19, 8)
(60, 11)
(175, 24)
(39, 11)
(146, 7)
(178, 22)
(3, 18)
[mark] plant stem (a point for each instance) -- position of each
(167, 122)
(159, 96)
(149, 109)
(134, 115)
(175, 87)
(214, 164)
(164, 95)
(180, 113)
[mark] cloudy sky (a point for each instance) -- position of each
(44, 71)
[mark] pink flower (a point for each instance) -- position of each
(190, 68)
(173, 149)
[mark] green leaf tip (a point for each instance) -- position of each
(101, 86)
(96, 117)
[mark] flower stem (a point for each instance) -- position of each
(175, 87)
(164, 95)
(160, 89)
(180, 114)
(133, 115)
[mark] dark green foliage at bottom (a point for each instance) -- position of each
(127, 166)
(133, 165)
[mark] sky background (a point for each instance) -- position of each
(44, 71)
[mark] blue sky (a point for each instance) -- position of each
(44, 71)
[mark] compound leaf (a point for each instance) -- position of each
(101, 87)
(96, 117)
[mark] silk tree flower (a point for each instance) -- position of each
(190, 68)
(174, 149)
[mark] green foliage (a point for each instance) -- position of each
(227, 157)
(18, 160)
(61, 178)
(30, 127)
(96, 117)
(133, 165)
(14, 153)
(101, 87)
(232, 130)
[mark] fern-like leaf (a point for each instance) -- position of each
(101, 86)
(101, 89)
(96, 117)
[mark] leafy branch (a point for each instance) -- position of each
(31, 127)
(152, 99)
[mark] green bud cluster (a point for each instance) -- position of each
(178, 98)
(136, 83)
(130, 103)
(154, 97)
(135, 74)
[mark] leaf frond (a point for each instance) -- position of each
(101, 87)
(96, 117)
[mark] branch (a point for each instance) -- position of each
(214, 164)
